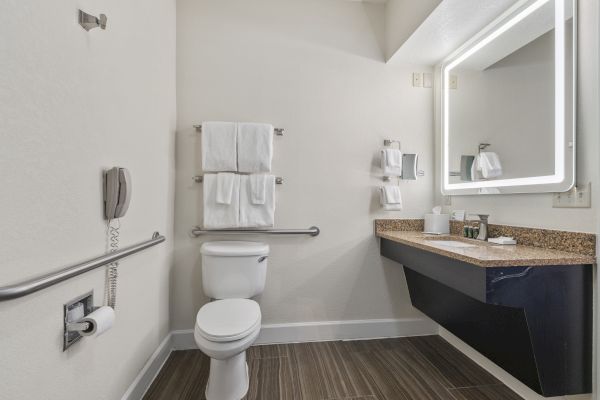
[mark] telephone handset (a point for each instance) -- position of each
(117, 192)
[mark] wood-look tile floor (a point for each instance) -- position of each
(415, 368)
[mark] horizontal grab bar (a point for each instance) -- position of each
(277, 131)
(35, 284)
(312, 231)
(200, 179)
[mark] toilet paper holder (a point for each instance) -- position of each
(74, 311)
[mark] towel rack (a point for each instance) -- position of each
(278, 131)
(483, 146)
(200, 179)
(41, 282)
(389, 142)
(312, 231)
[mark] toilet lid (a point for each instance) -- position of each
(228, 320)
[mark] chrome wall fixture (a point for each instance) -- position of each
(278, 131)
(483, 146)
(409, 159)
(41, 282)
(88, 21)
(312, 231)
(389, 142)
(200, 179)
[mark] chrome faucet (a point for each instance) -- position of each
(483, 226)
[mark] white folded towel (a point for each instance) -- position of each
(216, 215)
(475, 170)
(489, 165)
(225, 183)
(390, 198)
(219, 146)
(258, 188)
(391, 162)
(255, 147)
(254, 215)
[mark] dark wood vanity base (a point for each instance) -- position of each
(534, 322)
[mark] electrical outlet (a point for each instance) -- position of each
(427, 80)
(453, 82)
(578, 197)
(417, 79)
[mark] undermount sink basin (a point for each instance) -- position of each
(453, 243)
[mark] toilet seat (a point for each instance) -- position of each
(228, 320)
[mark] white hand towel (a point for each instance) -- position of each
(255, 147)
(220, 216)
(489, 164)
(257, 215)
(390, 198)
(475, 169)
(258, 188)
(225, 183)
(219, 146)
(391, 162)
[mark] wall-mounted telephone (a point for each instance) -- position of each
(117, 192)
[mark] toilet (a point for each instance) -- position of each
(232, 273)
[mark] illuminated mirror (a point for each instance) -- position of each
(508, 105)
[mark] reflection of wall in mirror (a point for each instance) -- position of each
(510, 105)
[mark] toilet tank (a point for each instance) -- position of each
(234, 269)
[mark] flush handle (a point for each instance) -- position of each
(263, 258)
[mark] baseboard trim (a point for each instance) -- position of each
(327, 330)
(285, 333)
(184, 339)
(345, 330)
(144, 379)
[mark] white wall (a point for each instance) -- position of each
(403, 17)
(71, 104)
(312, 67)
(536, 210)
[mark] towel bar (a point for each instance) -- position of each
(35, 284)
(312, 231)
(200, 179)
(278, 131)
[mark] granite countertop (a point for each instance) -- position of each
(487, 254)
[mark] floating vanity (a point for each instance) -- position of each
(527, 307)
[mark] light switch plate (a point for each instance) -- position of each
(417, 79)
(578, 197)
(427, 80)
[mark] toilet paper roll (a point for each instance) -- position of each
(101, 320)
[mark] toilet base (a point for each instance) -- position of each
(228, 379)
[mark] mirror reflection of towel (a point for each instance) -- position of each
(487, 165)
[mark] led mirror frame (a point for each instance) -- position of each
(552, 183)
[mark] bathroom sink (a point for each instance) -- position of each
(453, 243)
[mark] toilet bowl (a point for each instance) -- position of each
(232, 273)
(224, 330)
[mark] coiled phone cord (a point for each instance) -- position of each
(112, 272)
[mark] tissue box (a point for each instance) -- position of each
(437, 223)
